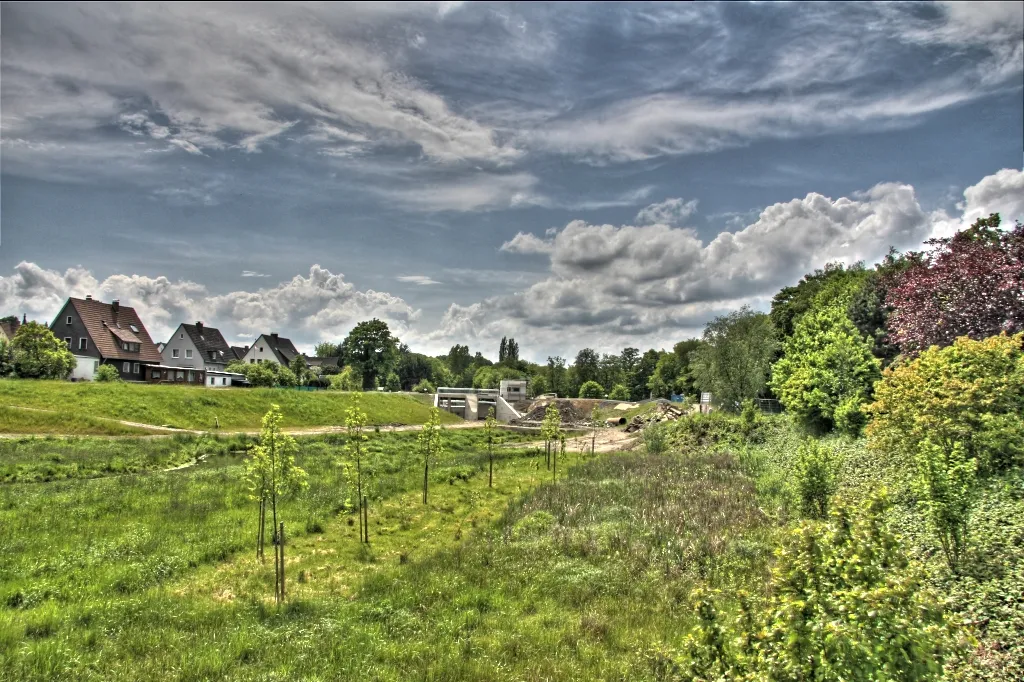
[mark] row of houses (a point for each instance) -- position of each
(101, 333)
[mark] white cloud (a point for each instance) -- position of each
(1001, 193)
(253, 273)
(668, 212)
(480, 191)
(419, 280)
(308, 309)
(528, 243)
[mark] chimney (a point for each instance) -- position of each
(199, 327)
(273, 337)
(115, 305)
(88, 297)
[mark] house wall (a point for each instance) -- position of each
(260, 350)
(131, 374)
(85, 369)
(76, 331)
(181, 342)
(164, 375)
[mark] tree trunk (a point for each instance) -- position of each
(261, 531)
(281, 545)
(366, 521)
(554, 465)
(359, 494)
(490, 466)
(426, 469)
(273, 509)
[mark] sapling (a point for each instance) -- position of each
(431, 444)
(355, 420)
(489, 426)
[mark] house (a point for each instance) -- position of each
(271, 348)
(239, 352)
(9, 327)
(199, 347)
(105, 334)
(324, 363)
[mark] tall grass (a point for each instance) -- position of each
(65, 421)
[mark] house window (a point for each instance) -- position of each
(155, 374)
(136, 370)
(83, 343)
(261, 349)
(67, 340)
(133, 328)
(179, 375)
(252, 361)
(188, 353)
(95, 365)
(174, 353)
(212, 381)
(127, 367)
(69, 319)
(224, 381)
(181, 336)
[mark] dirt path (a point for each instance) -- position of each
(606, 440)
(167, 431)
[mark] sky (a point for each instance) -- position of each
(572, 175)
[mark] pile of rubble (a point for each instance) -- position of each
(665, 412)
(570, 414)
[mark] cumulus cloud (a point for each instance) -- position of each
(310, 308)
(668, 212)
(612, 285)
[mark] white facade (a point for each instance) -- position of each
(85, 369)
(512, 389)
(180, 351)
(260, 350)
(215, 379)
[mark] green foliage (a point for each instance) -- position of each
(538, 385)
(818, 289)
(551, 425)
(816, 478)
(844, 604)
(970, 393)
(6, 357)
(37, 354)
(266, 374)
(655, 438)
(825, 364)
(431, 444)
(371, 350)
(734, 358)
(106, 373)
(393, 384)
(944, 486)
(271, 470)
(300, 370)
(591, 389)
(347, 380)
(424, 386)
(326, 349)
(491, 376)
(619, 392)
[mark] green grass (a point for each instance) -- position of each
(196, 407)
(68, 422)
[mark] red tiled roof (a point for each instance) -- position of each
(95, 313)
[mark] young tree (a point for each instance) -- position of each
(944, 487)
(431, 442)
(490, 426)
(393, 384)
(355, 422)
(550, 429)
(591, 389)
(348, 380)
(971, 284)
(299, 369)
(827, 370)
(273, 475)
(371, 350)
(733, 360)
(37, 354)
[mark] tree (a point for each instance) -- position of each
(490, 426)
(628, 360)
(610, 371)
(414, 368)
(971, 284)
(587, 365)
(392, 383)
(107, 373)
(502, 348)
(550, 429)
(790, 304)
(347, 380)
(591, 389)
(424, 386)
(260, 375)
(326, 349)
(734, 357)
(556, 375)
(816, 478)
(272, 475)
(371, 350)
(459, 359)
(619, 392)
(827, 370)
(944, 486)
(970, 393)
(300, 369)
(355, 422)
(37, 354)
(538, 385)
(431, 442)
(6, 358)
(641, 375)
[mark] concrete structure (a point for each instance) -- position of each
(270, 348)
(513, 390)
(474, 403)
(218, 379)
(197, 346)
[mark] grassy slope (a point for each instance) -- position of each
(191, 407)
(13, 420)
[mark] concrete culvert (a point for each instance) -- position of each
(615, 421)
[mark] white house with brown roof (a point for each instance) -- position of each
(105, 334)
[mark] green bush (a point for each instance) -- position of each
(816, 478)
(826, 370)
(944, 486)
(424, 386)
(591, 389)
(107, 373)
(347, 380)
(844, 604)
(970, 393)
(655, 438)
(619, 392)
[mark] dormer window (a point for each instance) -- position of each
(130, 347)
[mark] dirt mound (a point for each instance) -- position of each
(664, 412)
(569, 413)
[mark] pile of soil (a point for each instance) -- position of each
(570, 414)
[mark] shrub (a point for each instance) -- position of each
(944, 486)
(424, 386)
(591, 389)
(107, 373)
(655, 437)
(970, 393)
(393, 383)
(619, 392)
(347, 380)
(826, 365)
(816, 478)
(845, 604)
(37, 354)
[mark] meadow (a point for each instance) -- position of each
(186, 407)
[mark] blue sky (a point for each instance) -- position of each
(571, 175)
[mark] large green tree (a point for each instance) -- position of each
(734, 357)
(814, 289)
(37, 354)
(641, 374)
(827, 371)
(371, 350)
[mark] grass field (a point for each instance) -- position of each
(188, 407)
(13, 420)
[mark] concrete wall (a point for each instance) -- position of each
(86, 368)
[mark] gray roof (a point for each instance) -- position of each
(210, 342)
(283, 348)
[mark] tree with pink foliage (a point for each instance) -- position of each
(970, 284)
